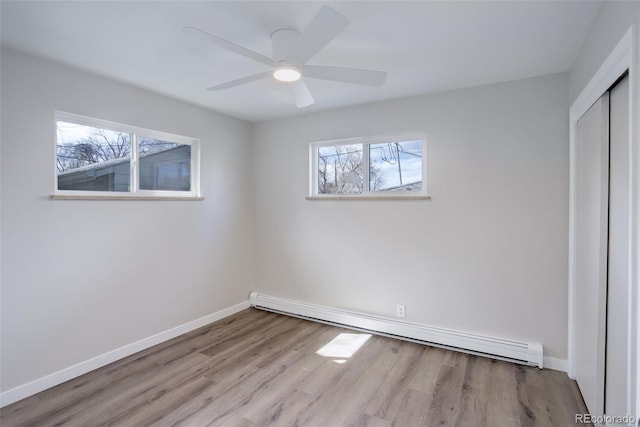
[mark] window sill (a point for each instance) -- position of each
(113, 197)
(368, 198)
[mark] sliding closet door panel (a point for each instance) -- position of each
(618, 270)
(591, 253)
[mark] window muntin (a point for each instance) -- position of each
(96, 157)
(390, 166)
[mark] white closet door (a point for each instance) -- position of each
(618, 269)
(591, 253)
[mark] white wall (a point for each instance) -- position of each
(80, 278)
(487, 254)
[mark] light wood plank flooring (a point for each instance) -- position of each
(257, 368)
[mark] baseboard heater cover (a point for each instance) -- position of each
(526, 353)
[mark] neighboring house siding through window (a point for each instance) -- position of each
(166, 170)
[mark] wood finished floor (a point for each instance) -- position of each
(257, 368)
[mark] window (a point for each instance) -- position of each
(389, 166)
(99, 158)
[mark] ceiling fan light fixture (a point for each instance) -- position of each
(287, 74)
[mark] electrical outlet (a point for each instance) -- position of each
(400, 311)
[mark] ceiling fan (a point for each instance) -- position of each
(291, 52)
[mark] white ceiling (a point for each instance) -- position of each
(424, 46)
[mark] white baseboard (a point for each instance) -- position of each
(13, 395)
(555, 364)
(527, 353)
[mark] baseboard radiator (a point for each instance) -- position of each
(526, 353)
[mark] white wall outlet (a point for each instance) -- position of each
(400, 311)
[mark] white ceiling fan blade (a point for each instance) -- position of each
(324, 27)
(347, 75)
(204, 35)
(301, 94)
(241, 81)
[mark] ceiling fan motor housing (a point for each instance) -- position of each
(282, 42)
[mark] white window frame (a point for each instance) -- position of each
(134, 190)
(366, 194)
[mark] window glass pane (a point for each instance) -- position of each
(340, 169)
(92, 159)
(164, 165)
(395, 166)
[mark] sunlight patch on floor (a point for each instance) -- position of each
(343, 346)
